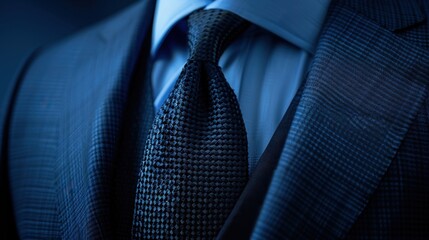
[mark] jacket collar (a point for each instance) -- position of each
(404, 14)
(343, 129)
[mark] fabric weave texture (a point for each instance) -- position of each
(195, 162)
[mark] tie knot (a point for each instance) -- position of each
(210, 32)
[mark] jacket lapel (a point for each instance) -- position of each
(363, 90)
(96, 70)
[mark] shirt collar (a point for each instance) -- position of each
(296, 21)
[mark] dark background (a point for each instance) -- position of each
(28, 24)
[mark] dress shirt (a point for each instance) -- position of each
(264, 66)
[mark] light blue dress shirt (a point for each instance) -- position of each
(264, 66)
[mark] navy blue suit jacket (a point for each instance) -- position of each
(350, 158)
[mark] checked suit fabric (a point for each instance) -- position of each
(350, 160)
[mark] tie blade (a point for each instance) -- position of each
(195, 163)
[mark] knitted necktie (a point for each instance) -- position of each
(195, 162)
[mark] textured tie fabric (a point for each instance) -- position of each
(195, 163)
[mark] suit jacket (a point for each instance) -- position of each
(350, 158)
